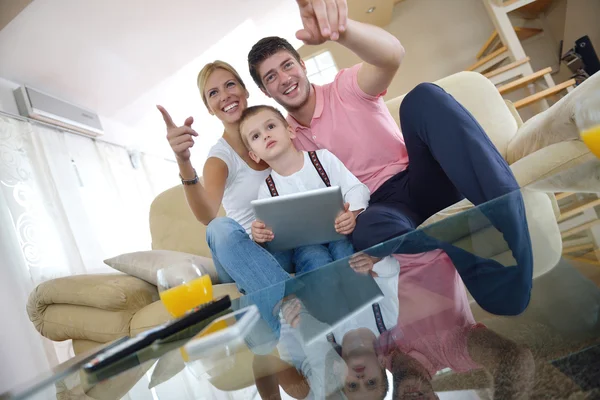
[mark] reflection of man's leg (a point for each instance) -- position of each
(450, 154)
(499, 289)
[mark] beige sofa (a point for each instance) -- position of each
(94, 309)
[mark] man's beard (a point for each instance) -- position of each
(293, 108)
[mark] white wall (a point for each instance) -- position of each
(7, 99)
(583, 19)
(440, 37)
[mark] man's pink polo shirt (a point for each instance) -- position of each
(435, 319)
(357, 128)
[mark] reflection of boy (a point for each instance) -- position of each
(347, 358)
(437, 330)
(268, 136)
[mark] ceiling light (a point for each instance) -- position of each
(370, 10)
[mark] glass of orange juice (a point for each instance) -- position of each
(587, 118)
(182, 287)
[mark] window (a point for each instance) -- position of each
(321, 69)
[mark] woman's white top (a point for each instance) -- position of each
(241, 186)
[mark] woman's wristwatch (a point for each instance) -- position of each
(190, 181)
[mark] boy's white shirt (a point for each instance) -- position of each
(354, 192)
(310, 360)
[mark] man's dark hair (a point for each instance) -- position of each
(264, 49)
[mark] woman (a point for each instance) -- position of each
(231, 178)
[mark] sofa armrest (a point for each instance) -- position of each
(533, 170)
(113, 292)
(554, 125)
(90, 307)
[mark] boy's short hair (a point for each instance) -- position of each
(251, 111)
(264, 49)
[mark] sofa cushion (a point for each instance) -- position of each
(90, 307)
(148, 317)
(65, 321)
(173, 225)
(155, 314)
(111, 292)
(558, 168)
(554, 125)
(478, 95)
(145, 264)
(81, 346)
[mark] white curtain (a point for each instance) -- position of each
(66, 203)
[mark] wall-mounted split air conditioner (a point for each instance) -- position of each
(40, 106)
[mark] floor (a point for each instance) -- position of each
(561, 327)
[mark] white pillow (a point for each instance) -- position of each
(145, 264)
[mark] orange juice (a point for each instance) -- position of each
(217, 326)
(214, 327)
(184, 297)
(591, 138)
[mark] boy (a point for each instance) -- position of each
(268, 137)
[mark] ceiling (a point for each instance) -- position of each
(120, 58)
(10, 9)
(375, 12)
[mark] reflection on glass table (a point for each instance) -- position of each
(443, 297)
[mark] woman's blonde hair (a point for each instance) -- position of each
(207, 71)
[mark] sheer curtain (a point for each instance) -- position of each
(66, 203)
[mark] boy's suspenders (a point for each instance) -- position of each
(378, 318)
(315, 162)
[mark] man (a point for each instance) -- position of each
(450, 154)
(436, 330)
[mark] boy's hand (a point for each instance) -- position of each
(260, 232)
(291, 312)
(345, 222)
(363, 264)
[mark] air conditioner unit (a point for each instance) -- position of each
(40, 106)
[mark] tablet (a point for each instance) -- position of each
(301, 219)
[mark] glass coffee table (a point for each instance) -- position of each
(480, 304)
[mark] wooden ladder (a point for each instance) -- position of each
(503, 60)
